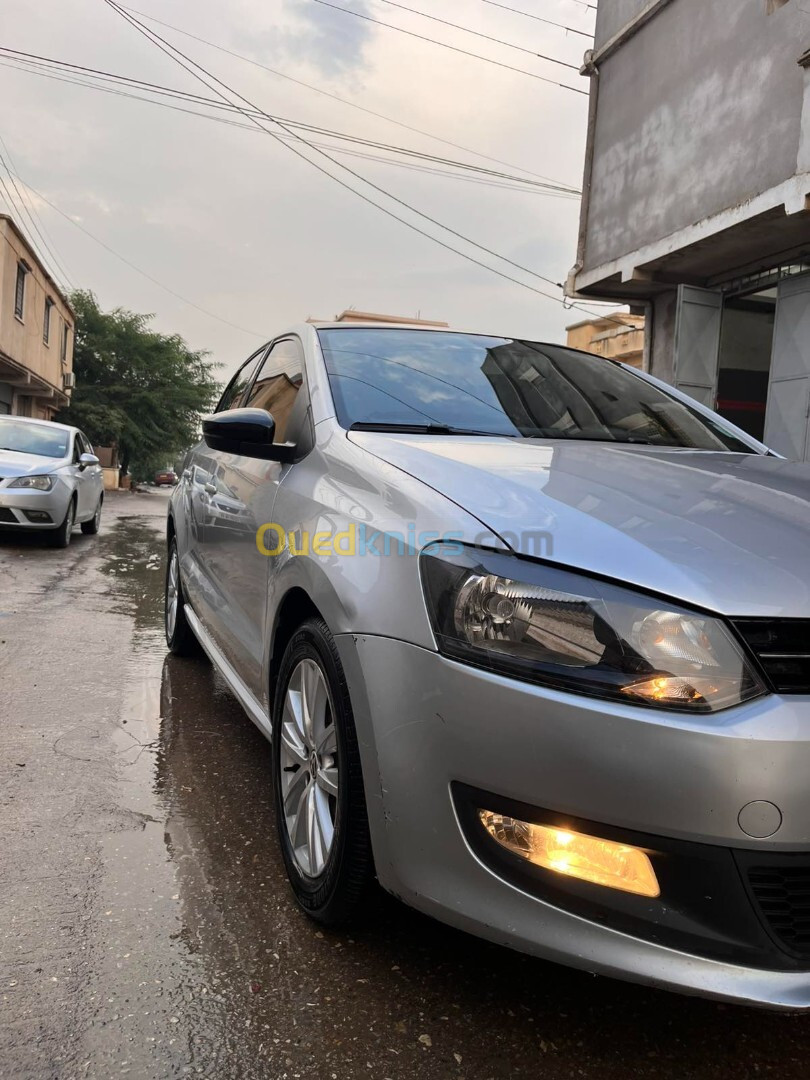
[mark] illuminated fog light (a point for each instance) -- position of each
(602, 862)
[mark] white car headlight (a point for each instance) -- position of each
(39, 483)
(571, 632)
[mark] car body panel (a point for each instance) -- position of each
(705, 528)
(423, 722)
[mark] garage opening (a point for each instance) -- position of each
(746, 347)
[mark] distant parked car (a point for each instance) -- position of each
(50, 479)
(166, 476)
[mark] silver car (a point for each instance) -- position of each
(530, 631)
(50, 479)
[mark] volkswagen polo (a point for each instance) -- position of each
(529, 632)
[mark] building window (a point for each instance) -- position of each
(19, 290)
(46, 323)
(65, 335)
(774, 5)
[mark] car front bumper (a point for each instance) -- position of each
(17, 503)
(442, 730)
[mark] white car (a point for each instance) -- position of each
(50, 479)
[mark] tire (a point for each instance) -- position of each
(60, 537)
(179, 635)
(330, 876)
(91, 527)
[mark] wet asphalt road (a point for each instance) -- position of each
(146, 929)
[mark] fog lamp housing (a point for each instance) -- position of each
(573, 854)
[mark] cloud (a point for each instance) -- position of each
(326, 40)
(234, 221)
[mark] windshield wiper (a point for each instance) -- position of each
(427, 429)
(606, 438)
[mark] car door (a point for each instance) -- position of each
(198, 471)
(93, 477)
(81, 480)
(240, 496)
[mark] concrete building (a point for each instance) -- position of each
(352, 316)
(696, 203)
(617, 337)
(36, 332)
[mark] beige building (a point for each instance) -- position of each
(351, 316)
(619, 337)
(36, 332)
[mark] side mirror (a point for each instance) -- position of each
(86, 460)
(249, 432)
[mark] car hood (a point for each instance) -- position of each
(14, 464)
(728, 532)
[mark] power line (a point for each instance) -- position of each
(79, 74)
(252, 116)
(539, 18)
(173, 53)
(453, 48)
(343, 101)
(520, 185)
(23, 209)
(34, 218)
(478, 33)
(137, 269)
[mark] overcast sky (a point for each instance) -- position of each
(236, 223)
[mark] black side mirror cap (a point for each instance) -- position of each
(249, 432)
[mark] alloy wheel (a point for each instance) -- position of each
(172, 595)
(308, 768)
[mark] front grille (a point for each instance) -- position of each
(782, 891)
(7, 516)
(782, 647)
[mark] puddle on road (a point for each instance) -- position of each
(205, 966)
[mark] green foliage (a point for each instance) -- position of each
(139, 389)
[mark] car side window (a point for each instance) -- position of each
(278, 384)
(231, 399)
(77, 448)
(84, 442)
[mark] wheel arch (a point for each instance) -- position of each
(295, 608)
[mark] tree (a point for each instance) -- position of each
(136, 388)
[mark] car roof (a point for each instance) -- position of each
(36, 420)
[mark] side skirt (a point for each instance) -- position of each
(228, 673)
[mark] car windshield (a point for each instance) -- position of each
(448, 383)
(39, 439)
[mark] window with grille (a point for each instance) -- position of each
(19, 290)
(46, 322)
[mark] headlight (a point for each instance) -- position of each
(572, 632)
(40, 483)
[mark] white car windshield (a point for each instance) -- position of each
(37, 439)
(450, 383)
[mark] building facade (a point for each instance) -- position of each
(696, 206)
(352, 316)
(36, 332)
(616, 337)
